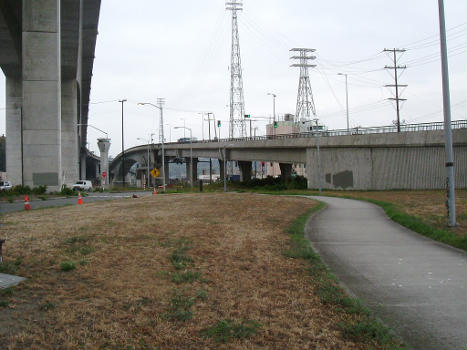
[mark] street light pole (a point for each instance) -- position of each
(346, 99)
(123, 147)
(160, 101)
(450, 181)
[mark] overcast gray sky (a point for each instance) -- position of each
(180, 50)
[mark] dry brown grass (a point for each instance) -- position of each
(119, 297)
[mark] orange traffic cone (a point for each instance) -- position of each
(154, 191)
(80, 199)
(26, 203)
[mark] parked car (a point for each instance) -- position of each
(5, 185)
(82, 185)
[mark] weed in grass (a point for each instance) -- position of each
(47, 306)
(180, 307)
(86, 250)
(201, 294)
(226, 330)
(7, 292)
(4, 303)
(10, 200)
(77, 239)
(43, 198)
(179, 260)
(185, 277)
(366, 330)
(83, 262)
(8, 267)
(67, 266)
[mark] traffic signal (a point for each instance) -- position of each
(275, 125)
(218, 123)
(247, 116)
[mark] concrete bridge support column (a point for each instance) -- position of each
(41, 94)
(69, 132)
(286, 171)
(245, 170)
(14, 102)
(193, 171)
(83, 165)
(166, 170)
(104, 146)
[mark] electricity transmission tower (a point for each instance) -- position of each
(237, 103)
(396, 84)
(305, 102)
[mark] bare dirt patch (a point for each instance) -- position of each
(156, 272)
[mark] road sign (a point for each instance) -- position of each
(104, 174)
(155, 172)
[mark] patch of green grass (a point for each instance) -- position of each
(43, 198)
(226, 330)
(8, 267)
(367, 330)
(4, 303)
(67, 266)
(179, 258)
(329, 291)
(180, 307)
(201, 294)
(185, 277)
(6, 292)
(86, 250)
(77, 239)
(47, 306)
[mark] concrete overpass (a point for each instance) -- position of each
(47, 55)
(370, 158)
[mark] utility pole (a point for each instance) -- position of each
(346, 100)
(123, 147)
(237, 103)
(450, 180)
(305, 102)
(210, 159)
(396, 84)
(161, 102)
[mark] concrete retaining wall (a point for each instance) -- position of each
(384, 168)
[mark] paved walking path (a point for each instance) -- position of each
(415, 285)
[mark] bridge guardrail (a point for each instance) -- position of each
(456, 124)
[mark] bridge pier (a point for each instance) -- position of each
(190, 170)
(69, 132)
(41, 74)
(286, 171)
(14, 105)
(245, 170)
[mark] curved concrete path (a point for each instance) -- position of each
(415, 285)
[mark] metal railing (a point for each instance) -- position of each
(456, 124)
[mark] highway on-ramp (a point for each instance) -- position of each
(413, 284)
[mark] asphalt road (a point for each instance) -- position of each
(413, 284)
(6, 207)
